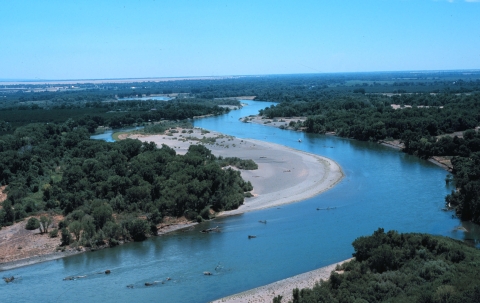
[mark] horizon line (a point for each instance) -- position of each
(218, 77)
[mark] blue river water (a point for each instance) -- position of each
(382, 188)
(107, 134)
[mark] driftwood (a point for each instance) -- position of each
(74, 278)
(9, 279)
(263, 221)
(251, 236)
(207, 273)
(153, 283)
(209, 230)
(328, 208)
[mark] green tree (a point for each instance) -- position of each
(102, 214)
(32, 224)
(75, 228)
(137, 228)
(66, 237)
(45, 222)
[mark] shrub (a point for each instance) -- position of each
(137, 229)
(190, 215)
(66, 237)
(53, 233)
(32, 224)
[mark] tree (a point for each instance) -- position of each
(45, 222)
(32, 224)
(88, 230)
(75, 228)
(9, 212)
(101, 215)
(66, 237)
(137, 229)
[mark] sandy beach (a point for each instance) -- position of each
(283, 288)
(284, 175)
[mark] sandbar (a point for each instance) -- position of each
(284, 175)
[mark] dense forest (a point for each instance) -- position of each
(111, 191)
(113, 114)
(394, 267)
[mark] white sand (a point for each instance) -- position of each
(283, 288)
(284, 175)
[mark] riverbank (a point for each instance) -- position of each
(38, 259)
(21, 247)
(284, 123)
(282, 288)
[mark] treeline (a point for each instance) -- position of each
(112, 114)
(371, 117)
(466, 199)
(393, 267)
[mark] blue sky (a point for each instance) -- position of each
(152, 38)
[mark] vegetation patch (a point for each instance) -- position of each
(393, 267)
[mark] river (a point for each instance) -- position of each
(382, 188)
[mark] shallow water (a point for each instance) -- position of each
(107, 134)
(382, 188)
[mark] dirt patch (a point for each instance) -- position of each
(170, 224)
(397, 144)
(17, 243)
(444, 162)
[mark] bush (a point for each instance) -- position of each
(137, 229)
(205, 213)
(66, 237)
(53, 233)
(62, 224)
(112, 242)
(32, 224)
(191, 215)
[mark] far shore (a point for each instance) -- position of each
(284, 123)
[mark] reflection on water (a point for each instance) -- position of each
(382, 188)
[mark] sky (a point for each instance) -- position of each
(103, 39)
